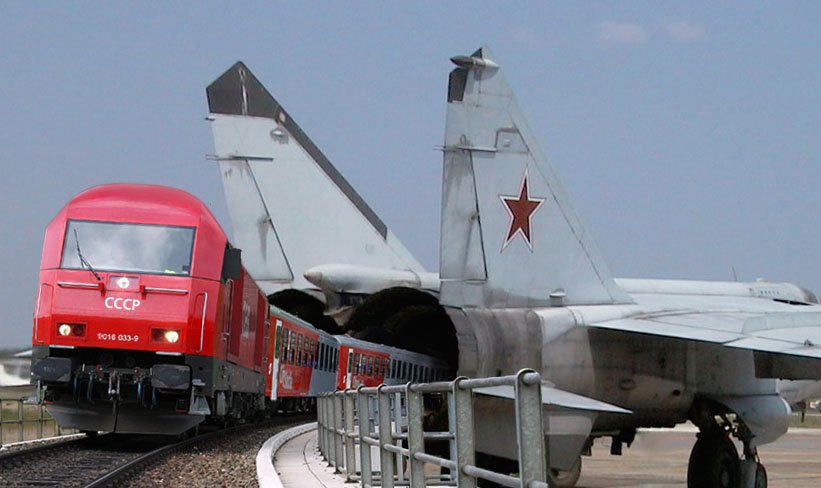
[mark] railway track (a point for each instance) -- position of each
(105, 460)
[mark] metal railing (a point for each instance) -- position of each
(390, 419)
(22, 422)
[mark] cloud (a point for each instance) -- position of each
(683, 31)
(621, 32)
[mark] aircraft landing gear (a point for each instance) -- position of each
(753, 474)
(714, 462)
(760, 476)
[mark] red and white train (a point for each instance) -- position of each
(146, 322)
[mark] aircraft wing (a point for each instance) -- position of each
(796, 334)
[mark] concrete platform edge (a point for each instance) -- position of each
(266, 473)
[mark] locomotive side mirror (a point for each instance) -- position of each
(232, 264)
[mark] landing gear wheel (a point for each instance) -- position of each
(565, 479)
(714, 463)
(760, 476)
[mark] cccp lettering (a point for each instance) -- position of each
(129, 304)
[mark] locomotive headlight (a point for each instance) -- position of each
(64, 330)
(168, 336)
(171, 336)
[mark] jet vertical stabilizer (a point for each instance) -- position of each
(509, 235)
(290, 209)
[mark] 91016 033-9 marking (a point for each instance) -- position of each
(117, 337)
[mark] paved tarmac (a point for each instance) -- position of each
(657, 459)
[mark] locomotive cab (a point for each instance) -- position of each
(145, 320)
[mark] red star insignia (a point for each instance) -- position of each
(520, 208)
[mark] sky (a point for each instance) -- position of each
(686, 134)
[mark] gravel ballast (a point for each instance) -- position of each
(227, 461)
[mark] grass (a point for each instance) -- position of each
(811, 420)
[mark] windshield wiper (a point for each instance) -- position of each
(83, 260)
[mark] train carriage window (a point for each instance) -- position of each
(283, 346)
(289, 348)
(313, 354)
(356, 360)
(323, 356)
(294, 337)
(306, 352)
(370, 365)
(298, 349)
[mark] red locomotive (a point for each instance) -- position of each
(146, 322)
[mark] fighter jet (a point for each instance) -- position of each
(522, 285)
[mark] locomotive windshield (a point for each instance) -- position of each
(139, 248)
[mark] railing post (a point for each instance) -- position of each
(350, 453)
(399, 423)
(320, 439)
(20, 419)
(364, 413)
(461, 411)
(39, 421)
(331, 435)
(416, 439)
(339, 454)
(385, 437)
(530, 429)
